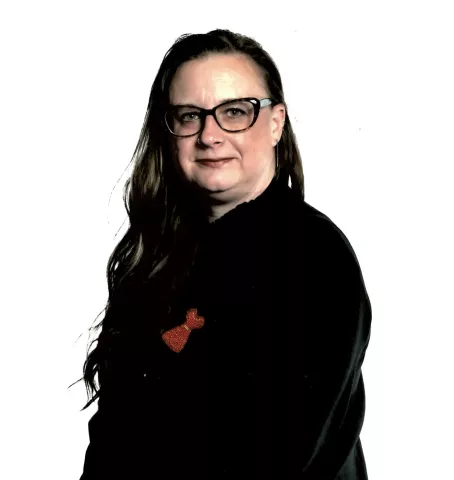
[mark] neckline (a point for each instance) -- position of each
(251, 208)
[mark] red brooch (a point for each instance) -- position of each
(177, 337)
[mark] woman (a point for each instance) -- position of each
(237, 319)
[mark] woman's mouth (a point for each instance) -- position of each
(214, 163)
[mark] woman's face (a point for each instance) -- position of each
(206, 83)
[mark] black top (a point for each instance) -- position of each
(271, 386)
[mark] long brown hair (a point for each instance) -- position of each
(162, 239)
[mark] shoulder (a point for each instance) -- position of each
(327, 278)
(322, 260)
(326, 235)
(316, 238)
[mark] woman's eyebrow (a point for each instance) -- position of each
(220, 101)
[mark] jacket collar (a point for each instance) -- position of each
(251, 216)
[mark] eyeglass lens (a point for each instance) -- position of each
(232, 116)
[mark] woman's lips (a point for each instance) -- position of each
(214, 163)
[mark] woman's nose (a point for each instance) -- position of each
(211, 131)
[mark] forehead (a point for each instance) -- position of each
(213, 79)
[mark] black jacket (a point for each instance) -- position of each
(271, 386)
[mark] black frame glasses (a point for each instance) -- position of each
(257, 104)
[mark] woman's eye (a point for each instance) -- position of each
(186, 117)
(240, 112)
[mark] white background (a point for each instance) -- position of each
(369, 86)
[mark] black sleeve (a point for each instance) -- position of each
(114, 447)
(93, 464)
(328, 403)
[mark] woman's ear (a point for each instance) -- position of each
(278, 122)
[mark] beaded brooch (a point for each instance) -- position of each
(176, 337)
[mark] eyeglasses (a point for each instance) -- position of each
(232, 116)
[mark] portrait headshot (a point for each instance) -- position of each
(238, 318)
(227, 240)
